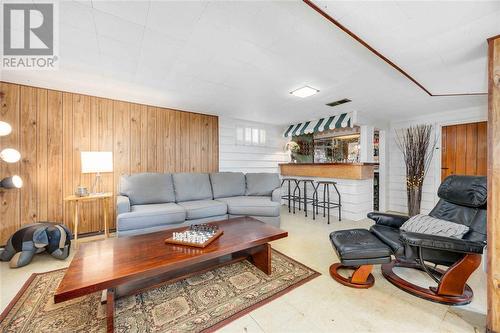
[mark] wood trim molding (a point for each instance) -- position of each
(380, 55)
(493, 229)
(493, 38)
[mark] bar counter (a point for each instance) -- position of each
(329, 170)
(354, 182)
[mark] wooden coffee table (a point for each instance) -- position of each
(129, 265)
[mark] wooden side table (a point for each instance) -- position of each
(75, 201)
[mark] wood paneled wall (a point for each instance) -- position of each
(464, 150)
(50, 128)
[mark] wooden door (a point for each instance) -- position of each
(464, 150)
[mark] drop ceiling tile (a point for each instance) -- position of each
(457, 13)
(373, 14)
(87, 3)
(82, 62)
(175, 18)
(149, 76)
(132, 11)
(120, 68)
(158, 50)
(223, 70)
(115, 48)
(235, 15)
(77, 39)
(253, 21)
(117, 28)
(178, 83)
(77, 15)
(72, 53)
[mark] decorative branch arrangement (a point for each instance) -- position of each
(417, 145)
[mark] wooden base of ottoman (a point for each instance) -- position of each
(361, 277)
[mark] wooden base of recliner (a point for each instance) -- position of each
(452, 288)
(361, 278)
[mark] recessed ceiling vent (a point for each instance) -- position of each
(341, 101)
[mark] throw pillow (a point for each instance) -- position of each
(425, 224)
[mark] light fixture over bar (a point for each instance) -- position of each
(304, 92)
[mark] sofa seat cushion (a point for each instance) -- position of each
(199, 209)
(252, 205)
(389, 236)
(147, 216)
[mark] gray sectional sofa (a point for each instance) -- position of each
(149, 202)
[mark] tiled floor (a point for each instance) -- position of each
(323, 305)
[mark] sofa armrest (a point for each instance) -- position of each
(276, 195)
(390, 220)
(442, 243)
(122, 204)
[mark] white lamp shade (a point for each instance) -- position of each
(10, 155)
(97, 161)
(5, 128)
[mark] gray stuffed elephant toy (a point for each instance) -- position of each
(36, 238)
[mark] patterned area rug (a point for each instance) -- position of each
(200, 303)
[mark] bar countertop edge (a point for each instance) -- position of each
(333, 163)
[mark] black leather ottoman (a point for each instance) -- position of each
(358, 249)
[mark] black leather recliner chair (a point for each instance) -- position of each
(462, 200)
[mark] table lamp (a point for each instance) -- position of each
(97, 162)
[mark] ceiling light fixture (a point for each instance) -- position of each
(304, 92)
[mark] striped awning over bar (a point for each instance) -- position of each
(323, 124)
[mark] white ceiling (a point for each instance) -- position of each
(241, 59)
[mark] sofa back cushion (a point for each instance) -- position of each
(227, 184)
(261, 183)
(147, 188)
(192, 186)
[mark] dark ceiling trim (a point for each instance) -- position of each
(380, 55)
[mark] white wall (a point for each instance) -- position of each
(396, 174)
(357, 197)
(366, 143)
(233, 157)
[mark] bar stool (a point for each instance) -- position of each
(304, 199)
(326, 204)
(289, 197)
